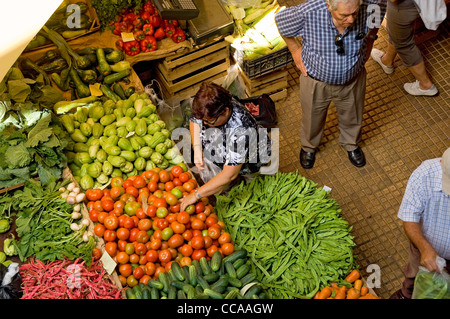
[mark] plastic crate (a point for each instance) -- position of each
(262, 65)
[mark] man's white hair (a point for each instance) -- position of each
(334, 3)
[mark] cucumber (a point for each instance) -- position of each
(154, 293)
(187, 277)
(172, 276)
(197, 266)
(177, 284)
(192, 275)
(242, 271)
(254, 290)
(146, 293)
(212, 277)
(202, 282)
(220, 284)
(181, 294)
(201, 296)
(234, 282)
(247, 278)
(216, 261)
(177, 271)
(128, 293)
(138, 295)
(155, 284)
(172, 294)
(190, 292)
(206, 268)
(241, 253)
(238, 263)
(230, 269)
(232, 294)
(163, 277)
(213, 294)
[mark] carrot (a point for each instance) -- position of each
(340, 293)
(352, 293)
(358, 284)
(316, 296)
(354, 275)
(325, 292)
(369, 296)
(364, 290)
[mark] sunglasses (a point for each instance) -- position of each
(215, 120)
(339, 42)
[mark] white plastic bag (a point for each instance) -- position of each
(432, 12)
(209, 170)
(432, 285)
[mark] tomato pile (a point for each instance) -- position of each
(144, 230)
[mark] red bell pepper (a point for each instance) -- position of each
(129, 17)
(149, 44)
(131, 47)
(148, 7)
(117, 30)
(170, 30)
(155, 20)
(159, 33)
(146, 16)
(171, 22)
(139, 35)
(119, 45)
(138, 23)
(148, 29)
(178, 36)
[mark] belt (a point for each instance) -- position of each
(348, 82)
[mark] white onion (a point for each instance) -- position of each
(62, 189)
(64, 195)
(71, 200)
(76, 215)
(80, 197)
(77, 208)
(85, 236)
(74, 226)
(85, 222)
(71, 186)
(76, 190)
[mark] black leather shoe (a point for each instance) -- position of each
(307, 159)
(357, 157)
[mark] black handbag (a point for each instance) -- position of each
(262, 108)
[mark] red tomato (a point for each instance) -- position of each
(94, 194)
(164, 255)
(109, 235)
(116, 181)
(111, 222)
(198, 253)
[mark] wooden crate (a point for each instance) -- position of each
(274, 84)
(181, 75)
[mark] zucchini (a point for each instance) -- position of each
(114, 77)
(213, 294)
(117, 88)
(238, 254)
(48, 57)
(216, 261)
(104, 67)
(88, 76)
(242, 271)
(86, 51)
(129, 91)
(206, 268)
(114, 56)
(106, 90)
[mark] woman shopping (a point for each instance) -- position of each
(225, 136)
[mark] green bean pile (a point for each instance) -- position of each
(293, 232)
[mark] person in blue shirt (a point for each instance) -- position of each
(336, 40)
(425, 212)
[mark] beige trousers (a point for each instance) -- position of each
(315, 98)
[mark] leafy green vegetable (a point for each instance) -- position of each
(107, 10)
(43, 222)
(32, 151)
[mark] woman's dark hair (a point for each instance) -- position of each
(210, 101)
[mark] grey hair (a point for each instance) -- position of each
(332, 4)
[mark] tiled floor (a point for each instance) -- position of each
(399, 132)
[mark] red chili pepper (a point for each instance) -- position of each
(131, 47)
(178, 36)
(148, 29)
(148, 44)
(148, 7)
(159, 33)
(155, 20)
(139, 35)
(170, 30)
(119, 45)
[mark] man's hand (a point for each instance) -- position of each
(428, 259)
(297, 56)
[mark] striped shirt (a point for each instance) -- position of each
(313, 23)
(425, 202)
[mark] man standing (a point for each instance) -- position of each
(425, 212)
(337, 38)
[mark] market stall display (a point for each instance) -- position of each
(89, 172)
